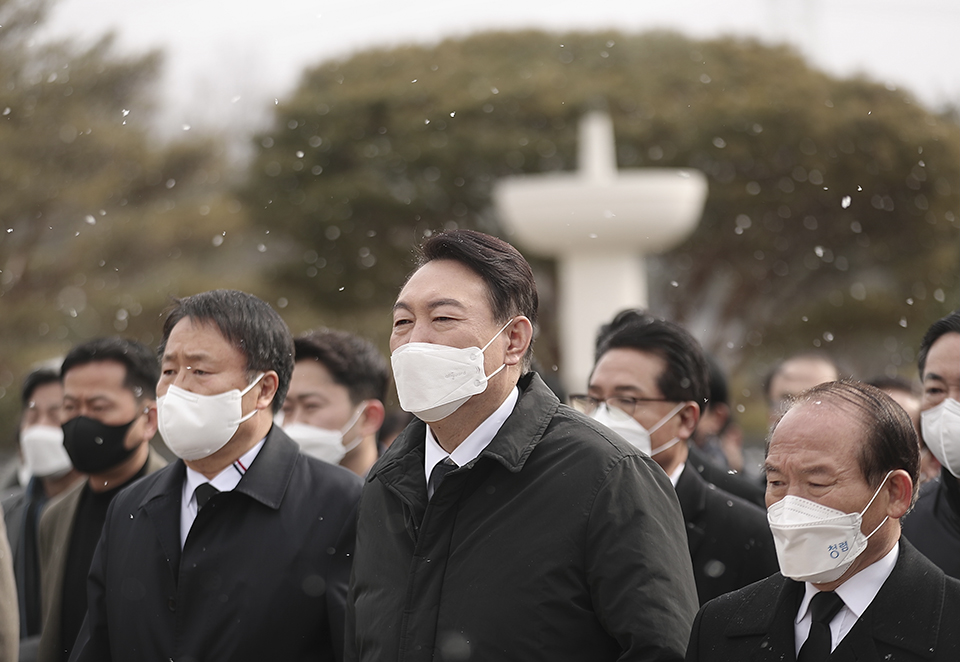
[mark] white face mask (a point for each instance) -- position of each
(321, 443)
(433, 381)
(627, 427)
(815, 543)
(195, 426)
(941, 433)
(43, 453)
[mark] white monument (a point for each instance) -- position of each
(598, 223)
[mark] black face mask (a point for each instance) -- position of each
(93, 446)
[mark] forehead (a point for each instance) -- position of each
(817, 433)
(96, 376)
(46, 394)
(797, 375)
(310, 373)
(624, 368)
(943, 359)
(439, 280)
(192, 339)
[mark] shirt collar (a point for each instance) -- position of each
(471, 447)
(226, 480)
(675, 476)
(859, 591)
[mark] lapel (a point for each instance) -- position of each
(766, 615)
(692, 494)
(915, 587)
(161, 503)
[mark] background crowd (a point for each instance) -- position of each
(495, 522)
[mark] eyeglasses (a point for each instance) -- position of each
(587, 404)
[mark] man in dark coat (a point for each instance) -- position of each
(548, 538)
(648, 385)
(841, 466)
(241, 550)
(934, 525)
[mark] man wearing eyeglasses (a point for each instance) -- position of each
(649, 385)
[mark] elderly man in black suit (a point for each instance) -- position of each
(842, 466)
(649, 385)
(241, 549)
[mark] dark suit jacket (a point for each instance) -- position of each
(733, 483)
(53, 544)
(729, 538)
(933, 526)
(913, 617)
(262, 576)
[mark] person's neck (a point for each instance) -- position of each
(360, 459)
(451, 431)
(672, 457)
(54, 486)
(122, 473)
(246, 437)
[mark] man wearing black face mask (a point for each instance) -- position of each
(108, 417)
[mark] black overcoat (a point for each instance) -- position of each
(912, 618)
(559, 542)
(730, 541)
(262, 575)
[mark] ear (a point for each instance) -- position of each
(151, 425)
(689, 416)
(899, 488)
(266, 390)
(372, 417)
(519, 336)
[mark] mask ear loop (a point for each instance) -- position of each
(353, 421)
(871, 503)
(253, 413)
(503, 365)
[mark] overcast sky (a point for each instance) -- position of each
(227, 58)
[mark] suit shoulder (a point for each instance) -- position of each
(761, 594)
(735, 511)
(331, 475)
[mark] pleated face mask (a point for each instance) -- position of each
(433, 381)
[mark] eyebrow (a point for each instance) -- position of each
(438, 303)
(191, 356)
(933, 375)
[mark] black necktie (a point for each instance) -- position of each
(440, 470)
(203, 493)
(823, 607)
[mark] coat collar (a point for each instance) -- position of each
(401, 468)
(266, 480)
(692, 494)
(915, 588)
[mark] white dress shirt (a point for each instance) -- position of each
(675, 476)
(225, 481)
(473, 445)
(857, 593)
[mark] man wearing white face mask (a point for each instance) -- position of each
(41, 447)
(241, 549)
(648, 385)
(503, 525)
(934, 525)
(334, 407)
(842, 464)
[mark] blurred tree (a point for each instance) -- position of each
(99, 226)
(831, 218)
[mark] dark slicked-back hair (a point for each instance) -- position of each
(685, 375)
(140, 362)
(889, 439)
(246, 322)
(33, 381)
(506, 273)
(353, 362)
(948, 324)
